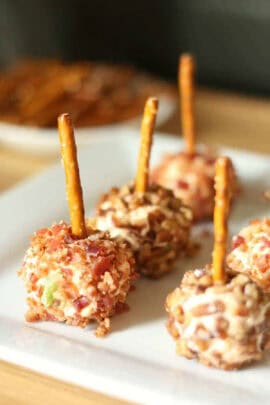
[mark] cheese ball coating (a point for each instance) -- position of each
(76, 280)
(251, 253)
(191, 177)
(223, 326)
(155, 224)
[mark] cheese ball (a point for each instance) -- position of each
(76, 280)
(223, 326)
(191, 177)
(155, 224)
(251, 253)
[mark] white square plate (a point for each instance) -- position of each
(137, 361)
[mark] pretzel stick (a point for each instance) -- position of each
(73, 183)
(186, 92)
(147, 129)
(221, 212)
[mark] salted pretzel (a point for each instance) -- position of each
(186, 90)
(73, 183)
(147, 129)
(221, 212)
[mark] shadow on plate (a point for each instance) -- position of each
(147, 301)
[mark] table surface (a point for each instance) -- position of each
(223, 119)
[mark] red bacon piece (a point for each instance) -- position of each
(182, 184)
(81, 302)
(103, 265)
(237, 241)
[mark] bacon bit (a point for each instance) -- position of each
(263, 263)
(81, 303)
(67, 272)
(121, 307)
(31, 316)
(102, 266)
(191, 156)
(33, 278)
(71, 291)
(54, 245)
(182, 184)
(42, 232)
(68, 256)
(210, 161)
(106, 301)
(49, 317)
(57, 228)
(237, 241)
(266, 241)
(94, 250)
(76, 255)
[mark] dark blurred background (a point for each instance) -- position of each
(229, 38)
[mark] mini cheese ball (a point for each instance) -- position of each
(190, 173)
(223, 326)
(76, 281)
(73, 274)
(191, 177)
(155, 224)
(250, 252)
